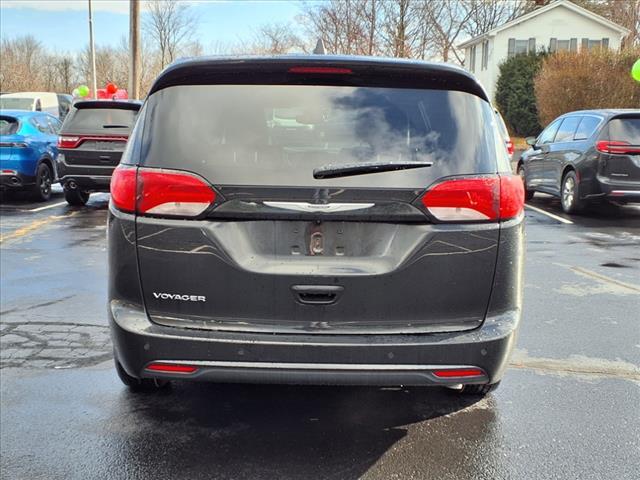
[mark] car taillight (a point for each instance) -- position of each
(510, 148)
(616, 146)
(472, 199)
(68, 142)
(74, 141)
(160, 192)
(13, 145)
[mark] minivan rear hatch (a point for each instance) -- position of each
(620, 145)
(299, 238)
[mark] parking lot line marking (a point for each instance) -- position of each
(39, 209)
(551, 215)
(604, 278)
(21, 232)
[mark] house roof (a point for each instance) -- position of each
(558, 3)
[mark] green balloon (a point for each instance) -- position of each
(83, 91)
(635, 71)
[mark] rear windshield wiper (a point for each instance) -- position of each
(115, 125)
(334, 171)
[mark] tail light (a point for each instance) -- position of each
(473, 199)
(616, 146)
(74, 141)
(510, 148)
(154, 191)
(13, 145)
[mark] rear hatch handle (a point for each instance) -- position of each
(317, 294)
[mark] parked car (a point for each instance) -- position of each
(585, 156)
(90, 145)
(32, 101)
(27, 149)
(64, 104)
(505, 133)
(381, 246)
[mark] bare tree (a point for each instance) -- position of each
(484, 15)
(170, 25)
(447, 20)
(274, 39)
(20, 68)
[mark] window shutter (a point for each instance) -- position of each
(605, 43)
(532, 45)
(511, 50)
(573, 45)
(553, 45)
(585, 44)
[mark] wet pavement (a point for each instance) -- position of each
(567, 407)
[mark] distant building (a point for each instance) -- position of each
(560, 25)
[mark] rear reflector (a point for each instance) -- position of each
(469, 199)
(458, 372)
(171, 368)
(326, 70)
(617, 147)
(160, 192)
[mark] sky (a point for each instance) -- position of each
(62, 25)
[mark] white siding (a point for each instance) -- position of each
(561, 23)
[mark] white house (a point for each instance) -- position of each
(559, 25)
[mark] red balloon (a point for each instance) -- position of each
(111, 88)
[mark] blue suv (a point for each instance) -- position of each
(28, 148)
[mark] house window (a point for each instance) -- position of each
(563, 45)
(485, 55)
(522, 46)
(519, 47)
(593, 44)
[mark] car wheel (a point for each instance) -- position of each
(569, 197)
(139, 384)
(42, 188)
(528, 194)
(479, 390)
(76, 197)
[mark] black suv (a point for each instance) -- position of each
(310, 219)
(91, 142)
(585, 156)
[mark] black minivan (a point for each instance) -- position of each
(315, 220)
(585, 156)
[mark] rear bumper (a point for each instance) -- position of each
(86, 177)
(312, 359)
(618, 190)
(16, 180)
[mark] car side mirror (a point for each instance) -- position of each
(531, 141)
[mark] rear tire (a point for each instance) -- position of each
(139, 384)
(528, 194)
(41, 191)
(569, 194)
(478, 390)
(76, 198)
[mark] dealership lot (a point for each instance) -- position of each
(567, 407)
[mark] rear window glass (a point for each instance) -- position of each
(100, 120)
(277, 134)
(625, 129)
(8, 125)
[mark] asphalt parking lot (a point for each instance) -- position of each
(567, 408)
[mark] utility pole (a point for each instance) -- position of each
(134, 49)
(93, 55)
